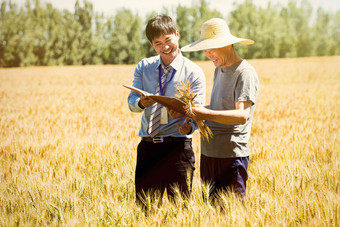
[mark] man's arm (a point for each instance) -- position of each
(227, 117)
(138, 103)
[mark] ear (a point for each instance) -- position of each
(151, 43)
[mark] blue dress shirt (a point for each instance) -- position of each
(146, 78)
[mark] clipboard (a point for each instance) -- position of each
(169, 102)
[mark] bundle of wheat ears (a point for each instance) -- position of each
(187, 96)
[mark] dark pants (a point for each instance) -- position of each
(224, 175)
(160, 166)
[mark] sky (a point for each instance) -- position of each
(143, 7)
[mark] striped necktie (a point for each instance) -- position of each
(155, 117)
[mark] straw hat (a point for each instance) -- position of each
(215, 33)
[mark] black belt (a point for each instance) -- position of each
(165, 139)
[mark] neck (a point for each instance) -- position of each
(231, 57)
(167, 62)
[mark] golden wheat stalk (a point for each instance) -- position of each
(185, 93)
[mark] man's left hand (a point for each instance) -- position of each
(185, 128)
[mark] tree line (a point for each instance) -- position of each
(40, 34)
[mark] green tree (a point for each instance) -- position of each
(53, 47)
(334, 37)
(302, 18)
(19, 40)
(39, 34)
(72, 37)
(135, 37)
(267, 33)
(125, 41)
(10, 35)
(288, 39)
(46, 27)
(184, 25)
(84, 16)
(326, 33)
(244, 22)
(320, 33)
(99, 43)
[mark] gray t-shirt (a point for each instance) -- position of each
(238, 82)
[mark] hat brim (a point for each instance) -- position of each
(204, 44)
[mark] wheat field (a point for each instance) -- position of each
(68, 150)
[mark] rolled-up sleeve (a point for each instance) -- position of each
(134, 97)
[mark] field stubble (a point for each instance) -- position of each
(68, 149)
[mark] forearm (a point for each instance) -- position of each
(226, 117)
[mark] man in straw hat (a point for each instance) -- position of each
(165, 159)
(224, 160)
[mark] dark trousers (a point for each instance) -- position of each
(224, 175)
(163, 166)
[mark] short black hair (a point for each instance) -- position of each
(160, 25)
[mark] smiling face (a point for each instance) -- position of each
(167, 47)
(218, 56)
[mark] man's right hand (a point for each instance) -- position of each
(145, 101)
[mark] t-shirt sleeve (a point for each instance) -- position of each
(247, 86)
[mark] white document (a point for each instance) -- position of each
(164, 116)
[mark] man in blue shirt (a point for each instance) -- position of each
(165, 159)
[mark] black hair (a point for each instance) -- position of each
(160, 25)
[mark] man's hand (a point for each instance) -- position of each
(200, 113)
(185, 128)
(174, 114)
(146, 101)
